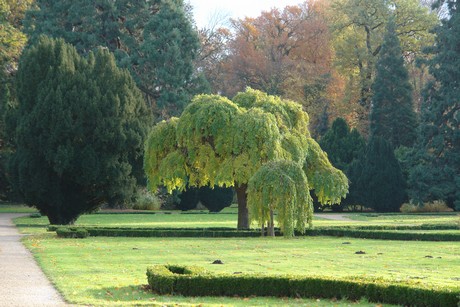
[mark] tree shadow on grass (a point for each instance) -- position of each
(131, 293)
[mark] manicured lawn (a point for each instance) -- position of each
(175, 219)
(229, 219)
(93, 270)
(407, 219)
(103, 270)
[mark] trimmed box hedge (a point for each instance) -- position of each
(233, 233)
(397, 227)
(72, 232)
(195, 281)
(384, 235)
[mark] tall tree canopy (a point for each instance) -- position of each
(80, 127)
(392, 114)
(436, 175)
(358, 29)
(221, 142)
(268, 51)
(12, 40)
(155, 40)
(285, 52)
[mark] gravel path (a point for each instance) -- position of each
(335, 217)
(22, 283)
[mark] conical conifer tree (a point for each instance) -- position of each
(437, 174)
(341, 144)
(80, 128)
(376, 178)
(392, 115)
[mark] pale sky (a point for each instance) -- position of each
(204, 10)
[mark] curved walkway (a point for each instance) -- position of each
(335, 217)
(22, 283)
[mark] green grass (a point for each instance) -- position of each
(177, 219)
(425, 231)
(146, 220)
(15, 208)
(407, 219)
(100, 270)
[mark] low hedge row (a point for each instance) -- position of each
(196, 233)
(397, 227)
(159, 212)
(385, 235)
(54, 227)
(194, 281)
(232, 233)
(72, 232)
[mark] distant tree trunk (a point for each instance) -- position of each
(243, 213)
(262, 230)
(271, 224)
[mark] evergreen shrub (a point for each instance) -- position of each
(197, 282)
(71, 232)
(217, 198)
(365, 232)
(188, 199)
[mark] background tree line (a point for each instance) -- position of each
(360, 60)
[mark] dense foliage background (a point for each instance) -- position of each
(375, 68)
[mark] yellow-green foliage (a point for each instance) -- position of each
(208, 119)
(281, 186)
(164, 163)
(221, 142)
(289, 115)
(329, 183)
(256, 141)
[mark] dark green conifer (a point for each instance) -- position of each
(80, 127)
(155, 40)
(341, 144)
(343, 147)
(376, 178)
(4, 97)
(392, 116)
(436, 175)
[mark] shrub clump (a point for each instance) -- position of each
(217, 198)
(147, 201)
(434, 206)
(188, 199)
(214, 199)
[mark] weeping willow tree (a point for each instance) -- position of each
(280, 186)
(221, 142)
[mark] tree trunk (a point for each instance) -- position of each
(262, 230)
(271, 224)
(58, 218)
(243, 213)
